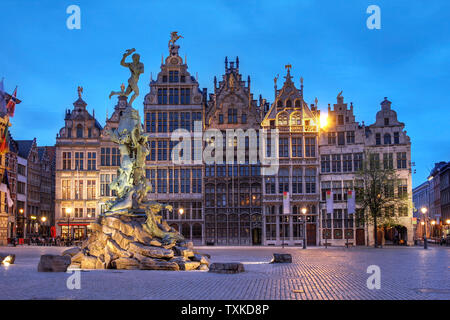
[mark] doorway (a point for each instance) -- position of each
(310, 234)
(256, 236)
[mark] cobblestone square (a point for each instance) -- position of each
(315, 274)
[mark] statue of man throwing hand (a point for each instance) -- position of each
(136, 68)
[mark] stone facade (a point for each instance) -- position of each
(175, 102)
(341, 148)
(298, 174)
(233, 189)
(387, 138)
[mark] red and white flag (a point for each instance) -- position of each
(11, 106)
(330, 204)
(351, 203)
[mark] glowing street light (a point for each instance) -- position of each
(181, 211)
(304, 210)
(424, 211)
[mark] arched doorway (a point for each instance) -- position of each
(396, 235)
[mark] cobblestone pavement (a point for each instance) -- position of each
(316, 273)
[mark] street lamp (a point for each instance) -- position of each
(424, 223)
(304, 210)
(44, 229)
(68, 212)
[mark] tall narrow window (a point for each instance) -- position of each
(310, 147)
(297, 147)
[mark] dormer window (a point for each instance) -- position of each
(386, 121)
(173, 76)
(387, 138)
(79, 131)
(90, 133)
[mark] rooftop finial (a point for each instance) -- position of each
(226, 63)
(80, 91)
(237, 63)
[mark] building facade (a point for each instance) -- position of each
(388, 142)
(77, 172)
(233, 184)
(341, 148)
(296, 220)
(175, 106)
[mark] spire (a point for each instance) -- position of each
(248, 83)
(301, 86)
(226, 64)
(237, 63)
(288, 76)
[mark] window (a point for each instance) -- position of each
(341, 138)
(340, 120)
(244, 118)
(67, 163)
(150, 121)
(386, 121)
(375, 161)
(284, 147)
(325, 163)
(337, 190)
(210, 193)
(403, 211)
(270, 185)
(332, 138)
(91, 162)
(21, 187)
(310, 147)
(347, 162)
(104, 185)
(162, 121)
(91, 190)
(185, 122)
(65, 189)
(196, 180)
(152, 150)
(173, 76)
(196, 116)
(336, 163)
(357, 161)
(90, 212)
(115, 157)
(221, 118)
(185, 97)
(310, 180)
(232, 115)
(173, 121)
(401, 160)
(297, 181)
(388, 161)
(283, 180)
(162, 150)
(396, 138)
(377, 139)
(387, 138)
(78, 189)
(162, 180)
(185, 180)
(79, 131)
(79, 157)
(350, 137)
(296, 147)
(402, 189)
(90, 133)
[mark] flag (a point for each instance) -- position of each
(286, 203)
(351, 203)
(11, 106)
(330, 203)
(2, 99)
(4, 145)
(4, 187)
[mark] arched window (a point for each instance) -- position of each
(279, 104)
(283, 119)
(197, 231)
(387, 138)
(79, 131)
(186, 230)
(297, 103)
(288, 103)
(296, 119)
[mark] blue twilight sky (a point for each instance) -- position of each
(326, 42)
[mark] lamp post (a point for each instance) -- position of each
(424, 223)
(433, 223)
(44, 229)
(21, 218)
(68, 212)
(304, 210)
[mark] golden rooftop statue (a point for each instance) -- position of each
(288, 67)
(80, 91)
(173, 38)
